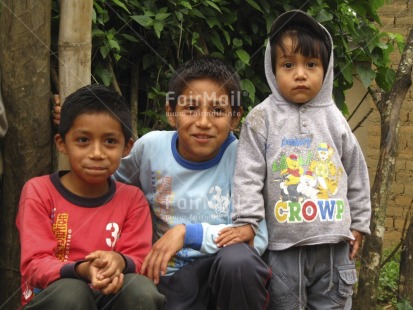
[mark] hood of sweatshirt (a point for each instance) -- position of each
(325, 96)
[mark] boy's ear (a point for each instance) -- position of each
(128, 147)
(60, 144)
(236, 118)
(170, 115)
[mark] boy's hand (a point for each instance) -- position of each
(162, 251)
(114, 286)
(232, 235)
(88, 270)
(56, 110)
(355, 244)
(106, 269)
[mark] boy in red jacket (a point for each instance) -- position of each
(84, 236)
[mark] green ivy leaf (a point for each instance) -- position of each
(398, 39)
(243, 56)
(93, 16)
(213, 5)
(266, 6)
(158, 27)
(163, 10)
(347, 71)
(198, 13)
(195, 38)
(213, 22)
(121, 4)
(98, 33)
(324, 16)
(130, 38)
(180, 16)
(344, 109)
(366, 74)
(105, 75)
(227, 37)
(236, 42)
(385, 78)
(114, 44)
(162, 16)
(372, 9)
(143, 20)
(249, 86)
(254, 5)
(104, 51)
(339, 98)
(186, 4)
(216, 40)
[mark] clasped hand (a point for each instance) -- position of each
(104, 271)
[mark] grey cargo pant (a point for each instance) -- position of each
(312, 277)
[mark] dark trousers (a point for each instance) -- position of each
(312, 277)
(138, 292)
(234, 278)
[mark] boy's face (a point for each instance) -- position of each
(94, 145)
(203, 118)
(299, 78)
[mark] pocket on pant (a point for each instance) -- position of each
(281, 293)
(347, 277)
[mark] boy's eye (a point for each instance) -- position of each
(191, 109)
(82, 140)
(218, 112)
(288, 65)
(111, 141)
(312, 64)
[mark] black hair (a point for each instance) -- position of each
(304, 41)
(201, 68)
(95, 98)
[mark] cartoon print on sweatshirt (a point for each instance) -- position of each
(291, 170)
(326, 171)
(306, 189)
(308, 181)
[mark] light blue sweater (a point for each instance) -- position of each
(197, 194)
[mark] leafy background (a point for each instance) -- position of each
(138, 44)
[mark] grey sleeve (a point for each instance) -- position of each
(358, 191)
(249, 178)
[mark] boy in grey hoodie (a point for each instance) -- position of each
(300, 167)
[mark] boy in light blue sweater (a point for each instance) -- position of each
(186, 176)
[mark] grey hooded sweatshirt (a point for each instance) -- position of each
(300, 167)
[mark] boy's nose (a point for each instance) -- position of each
(300, 73)
(97, 151)
(203, 119)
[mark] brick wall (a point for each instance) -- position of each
(396, 16)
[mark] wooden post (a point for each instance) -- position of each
(75, 50)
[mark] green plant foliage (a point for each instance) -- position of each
(153, 37)
(404, 305)
(388, 281)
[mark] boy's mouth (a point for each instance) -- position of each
(300, 87)
(202, 136)
(96, 168)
